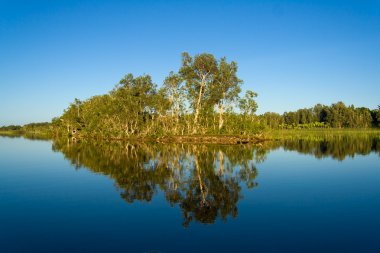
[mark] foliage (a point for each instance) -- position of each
(204, 181)
(201, 98)
(11, 128)
(337, 115)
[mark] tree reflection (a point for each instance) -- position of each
(204, 181)
(338, 147)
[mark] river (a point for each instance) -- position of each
(309, 195)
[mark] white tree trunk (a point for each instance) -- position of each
(198, 107)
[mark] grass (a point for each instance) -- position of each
(11, 132)
(322, 133)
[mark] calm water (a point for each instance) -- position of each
(317, 195)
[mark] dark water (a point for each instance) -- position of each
(316, 195)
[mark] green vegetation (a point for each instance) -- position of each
(204, 181)
(32, 130)
(203, 98)
(321, 133)
(10, 128)
(336, 144)
(337, 115)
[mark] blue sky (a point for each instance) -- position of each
(293, 53)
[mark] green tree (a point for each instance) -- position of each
(199, 74)
(174, 91)
(226, 87)
(248, 104)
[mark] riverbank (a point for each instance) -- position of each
(321, 133)
(215, 139)
(269, 135)
(197, 139)
(11, 133)
(33, 135)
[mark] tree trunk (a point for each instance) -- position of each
(221, 111)
(197, 109)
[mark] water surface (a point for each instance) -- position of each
(310, 195)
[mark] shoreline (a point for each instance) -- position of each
(271, 135)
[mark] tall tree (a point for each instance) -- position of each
(135, 97)
(226, 87)
(199, 74)
(174, 91)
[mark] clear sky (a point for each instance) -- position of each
(293, 53)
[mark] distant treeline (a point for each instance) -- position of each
(202, 97)
(32, 127)
(11, 128)
(337, 115)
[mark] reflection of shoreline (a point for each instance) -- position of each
(169, 139)
(338, 147)
(203, 180)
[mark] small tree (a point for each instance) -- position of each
(248, 107)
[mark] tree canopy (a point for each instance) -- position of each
(200, 98)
